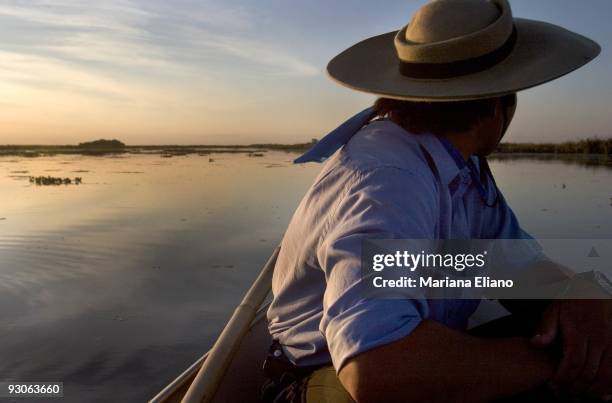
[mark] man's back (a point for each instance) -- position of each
(385, 183)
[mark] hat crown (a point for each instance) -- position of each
(446, 31)
(441, 20)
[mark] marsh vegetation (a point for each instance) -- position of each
(591, 146)
(110, 147)
(54, 181)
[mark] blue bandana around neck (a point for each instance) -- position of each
(338, 137)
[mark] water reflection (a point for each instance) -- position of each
(130, 275)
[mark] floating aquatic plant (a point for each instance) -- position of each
(54, 181)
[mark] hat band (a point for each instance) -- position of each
(459, 68)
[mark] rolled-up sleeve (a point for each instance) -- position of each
(385, 203)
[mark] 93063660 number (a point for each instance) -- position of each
(31, 389)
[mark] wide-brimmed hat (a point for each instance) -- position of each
(461, 49)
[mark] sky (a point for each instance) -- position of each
(239, 72)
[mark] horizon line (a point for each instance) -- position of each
(7, 145)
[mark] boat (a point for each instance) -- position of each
(231, 371)
(238, 353)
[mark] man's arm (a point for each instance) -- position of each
(582, 328)
(437, 364)
(542, 272)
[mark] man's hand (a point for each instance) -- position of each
(583, 328)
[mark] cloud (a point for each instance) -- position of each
(17, 69)
(139, 69)
(238, 50)
(120, 41)
(115, 15)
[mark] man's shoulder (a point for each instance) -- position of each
(384, 144)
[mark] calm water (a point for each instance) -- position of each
(116, 285)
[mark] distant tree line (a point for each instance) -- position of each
(594, 146)
(587, 146)
(102, 144)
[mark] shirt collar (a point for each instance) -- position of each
(445, 157)
(453, 152)
(441, 153)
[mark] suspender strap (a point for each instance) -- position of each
(430, 162)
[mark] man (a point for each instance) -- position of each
(413, 167)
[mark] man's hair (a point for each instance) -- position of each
(436, 117)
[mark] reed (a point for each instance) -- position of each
(586, 146)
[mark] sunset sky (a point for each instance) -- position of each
(226, 71)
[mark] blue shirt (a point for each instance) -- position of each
(380, 184)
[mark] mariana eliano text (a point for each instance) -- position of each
(431, 282)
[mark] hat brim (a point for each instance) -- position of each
(542, 52)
